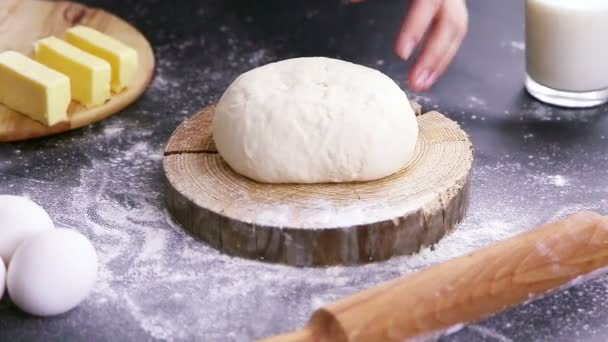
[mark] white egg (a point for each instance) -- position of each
(2, 278)
(20, 218)
(52, 272)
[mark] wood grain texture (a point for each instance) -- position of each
(467, 288)
(22, 22)
(319, 224)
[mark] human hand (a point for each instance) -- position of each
(446, 23)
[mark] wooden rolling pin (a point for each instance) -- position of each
(467, 288)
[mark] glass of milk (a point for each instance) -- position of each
(567, 51)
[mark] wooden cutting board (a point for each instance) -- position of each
(319, 224)
(22, 22)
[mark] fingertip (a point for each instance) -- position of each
(413, 87)
(412, 84)
(421, 79)
(431, 80)
(404, 47)
(409, 82)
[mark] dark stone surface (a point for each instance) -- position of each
(533, 163)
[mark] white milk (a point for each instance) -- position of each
(567, 44)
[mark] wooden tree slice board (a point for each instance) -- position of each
(319, 224)
(22, 22)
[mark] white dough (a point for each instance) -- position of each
(315, 120)
(2, 278)
(20, 218)
(52, 272)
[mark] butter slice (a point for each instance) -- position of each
(89, 75)
(33, 89)
(122, 57)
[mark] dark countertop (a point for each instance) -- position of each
(533, 163)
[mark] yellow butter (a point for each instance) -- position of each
(33, 89)
(122, 57)
(89, 75)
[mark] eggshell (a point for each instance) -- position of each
(20, 218)
(52, 272)
(2, 278)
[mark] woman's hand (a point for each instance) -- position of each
(445, 22)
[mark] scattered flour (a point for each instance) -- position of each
(475, 102)
(112, 130)
(154, 245)
(148, 262)
(554, 180)
(258, 57)
(489, 333)
(514, 45)
(558, 180)
(518, 45)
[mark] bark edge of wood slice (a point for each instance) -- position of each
(22, 22)
(319, 224)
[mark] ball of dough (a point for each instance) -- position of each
(52, 272)
(315, 120)
(20, 218)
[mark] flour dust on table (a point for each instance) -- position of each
(146, 261)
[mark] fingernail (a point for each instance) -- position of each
(408, 46)
(430, 80)
(421, 79)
